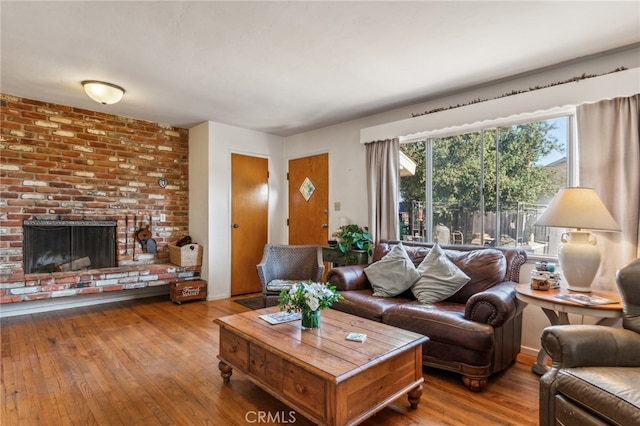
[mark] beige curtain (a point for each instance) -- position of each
(609, 162)
(383, 182)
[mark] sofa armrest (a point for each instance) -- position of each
(347, 278)
(591, 346)
(494, 306)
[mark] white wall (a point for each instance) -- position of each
(199, 196)
(210, 148)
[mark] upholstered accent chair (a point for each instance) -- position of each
(283, 265)
(595, 375)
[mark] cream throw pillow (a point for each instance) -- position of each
(439, 278)
(392, 274)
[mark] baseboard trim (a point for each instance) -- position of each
(48, 305)
(529, 351)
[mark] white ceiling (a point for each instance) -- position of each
(287, 67)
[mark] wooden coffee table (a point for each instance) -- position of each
(323, 376)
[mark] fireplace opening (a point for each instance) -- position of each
(68, 245)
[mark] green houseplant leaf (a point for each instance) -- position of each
(351, 238)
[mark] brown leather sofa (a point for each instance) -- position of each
(475, 332)
(595, 375)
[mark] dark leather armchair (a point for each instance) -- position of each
(283, 265)
(595, 375)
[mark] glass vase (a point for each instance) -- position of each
(310, 319)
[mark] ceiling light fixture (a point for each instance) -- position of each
(103, 92)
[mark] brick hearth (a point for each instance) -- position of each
(24, 288)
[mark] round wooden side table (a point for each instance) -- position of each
(557, 311)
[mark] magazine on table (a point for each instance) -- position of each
(280, 317)
(585, 299)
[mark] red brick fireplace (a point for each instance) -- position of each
(59, 163)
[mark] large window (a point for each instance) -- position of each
(487, 187)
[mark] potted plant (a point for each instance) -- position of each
(354, 244)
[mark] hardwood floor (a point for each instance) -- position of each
(151, 362)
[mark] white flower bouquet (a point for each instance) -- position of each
(308, 297)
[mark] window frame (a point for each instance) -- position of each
(430, 137)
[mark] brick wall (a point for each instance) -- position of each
(62, 162)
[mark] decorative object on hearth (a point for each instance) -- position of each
(152, 246)
(187, 255)
(142, 235)
(184, 241)
(103, 92)
(126, 235)
(187, 290)
(578, 256)
(308, 299)
(134, 239)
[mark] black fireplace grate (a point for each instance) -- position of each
(59, 245)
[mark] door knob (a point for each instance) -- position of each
(235, 225)
(324, 225)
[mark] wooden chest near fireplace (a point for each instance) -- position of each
(188, 290)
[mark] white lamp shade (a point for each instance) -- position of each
(102, 92)
(578, 256)
(579, 208)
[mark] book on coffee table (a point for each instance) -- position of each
(280, 317)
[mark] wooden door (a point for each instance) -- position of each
(249, 220)
(309, 208)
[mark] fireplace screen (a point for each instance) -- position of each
(68, 245)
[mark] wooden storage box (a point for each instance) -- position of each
(188, 290)
(189, 255)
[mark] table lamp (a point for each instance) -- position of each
(578, 256)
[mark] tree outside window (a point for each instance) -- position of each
(486, 187)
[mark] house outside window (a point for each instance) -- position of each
(488, 186)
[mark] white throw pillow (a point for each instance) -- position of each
(439, 278)
(392, 274)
